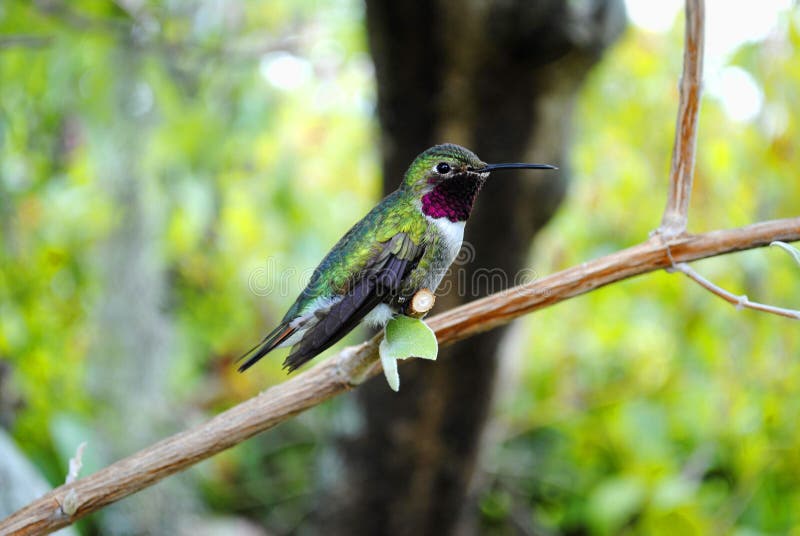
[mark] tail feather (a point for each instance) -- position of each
(337, 322)
(267, 344)
(341, 317)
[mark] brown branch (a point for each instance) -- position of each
(349, 367)
(673, 222)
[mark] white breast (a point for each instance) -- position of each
(452, 235)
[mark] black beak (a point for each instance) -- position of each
(492, 167)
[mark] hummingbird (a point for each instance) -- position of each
(404, 244)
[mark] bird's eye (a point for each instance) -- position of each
(442, 168)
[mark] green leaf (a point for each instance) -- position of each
(405, 337)
(410, 337)
(389, 364)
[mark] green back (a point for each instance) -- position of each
(396, 213)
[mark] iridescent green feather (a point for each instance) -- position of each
(363, 243)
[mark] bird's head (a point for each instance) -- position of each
(447, 178)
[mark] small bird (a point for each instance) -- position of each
(404, 244)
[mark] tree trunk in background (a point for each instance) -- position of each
(131, 356)
(501, 78)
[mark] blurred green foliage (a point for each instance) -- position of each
(646, 407)
(651, 406)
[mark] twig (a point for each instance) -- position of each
(75, 464)
(739, 302)
(794, 252)
(337, 374)
(673, 222)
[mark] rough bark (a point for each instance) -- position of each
(501, 78)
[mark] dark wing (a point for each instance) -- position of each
(377, 283)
